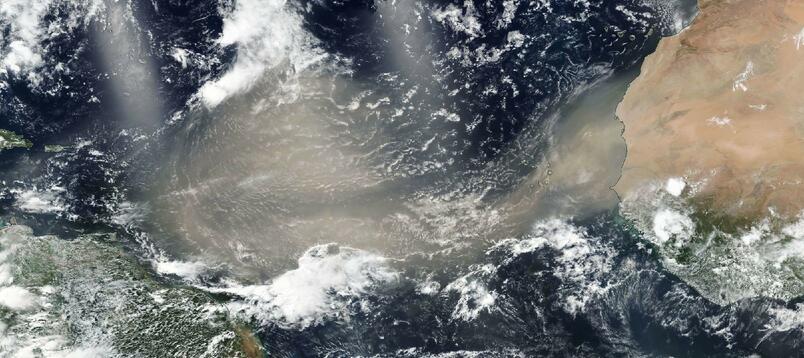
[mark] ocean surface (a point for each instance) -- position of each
(338, 178)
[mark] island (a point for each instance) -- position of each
(9, 140)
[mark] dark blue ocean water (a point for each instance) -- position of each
(478, 84)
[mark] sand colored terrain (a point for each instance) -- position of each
(722, 105)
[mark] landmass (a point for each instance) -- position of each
(714, 171)
(717, 116)
(49, 281)
(53, 148)
(10, 140)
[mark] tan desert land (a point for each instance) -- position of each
(721, 105)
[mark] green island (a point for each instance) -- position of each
(11, 140)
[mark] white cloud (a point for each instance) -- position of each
(796, 229)
(461, 20)
(186, 270)
(17, 298)
(327, 279)
(40, 201)
(267, 34)
(582, 261)
(675, 186)
(474, 297)
(27, 30)
(669, 224)
(24, 18)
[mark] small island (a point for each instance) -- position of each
(53, 148)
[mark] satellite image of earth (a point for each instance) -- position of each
(401, 178)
